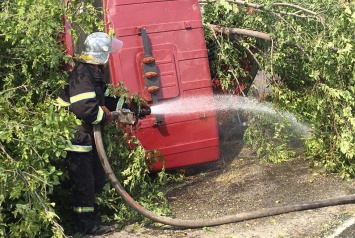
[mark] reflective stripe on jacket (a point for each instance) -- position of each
(83, 209)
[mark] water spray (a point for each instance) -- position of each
(222, 103)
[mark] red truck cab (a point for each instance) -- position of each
(170, 32)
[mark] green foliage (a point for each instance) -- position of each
(34, 131)
(312, 54)
(270, 137)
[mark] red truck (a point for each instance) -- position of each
(170, 32)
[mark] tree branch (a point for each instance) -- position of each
(9, 158)
(237, 2)
(277, 4)
(262, 7)
(239, 31)
(11, 89)
(59, 227)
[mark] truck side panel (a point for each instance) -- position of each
(175, 33)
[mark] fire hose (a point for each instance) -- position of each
(125, 117)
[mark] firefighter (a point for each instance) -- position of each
(87, 97)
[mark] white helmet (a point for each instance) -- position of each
(98, 46)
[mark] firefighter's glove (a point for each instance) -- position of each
(107, 116)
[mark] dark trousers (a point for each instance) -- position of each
(88, 179)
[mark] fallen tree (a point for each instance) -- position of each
(309, 45)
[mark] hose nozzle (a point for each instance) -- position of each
(145, 111)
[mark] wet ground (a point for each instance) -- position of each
(239, 182)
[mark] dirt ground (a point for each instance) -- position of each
(237, 183)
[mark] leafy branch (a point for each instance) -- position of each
(45, 208)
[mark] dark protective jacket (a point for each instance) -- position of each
(85, 94)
